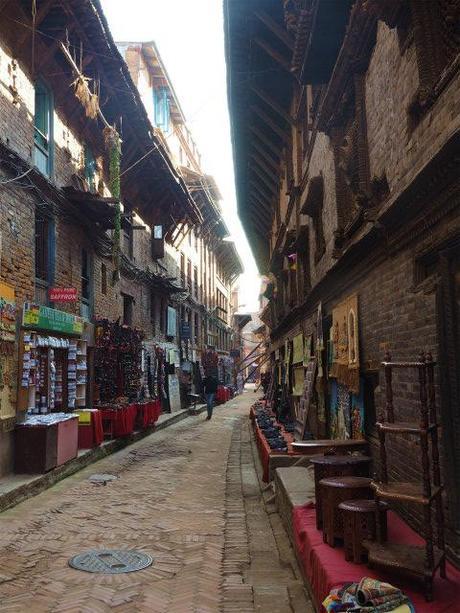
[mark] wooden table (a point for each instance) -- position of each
(335, 490)
(321, 446)
(336, 466)
(359, 524)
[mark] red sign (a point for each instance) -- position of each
(63, 294)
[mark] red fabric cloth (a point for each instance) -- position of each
(122, 419)
(91, 435)
(326, 568)
(220, 394)
(148, 413)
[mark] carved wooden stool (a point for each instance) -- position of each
(359, 524)
(335, 490)
(336, 466)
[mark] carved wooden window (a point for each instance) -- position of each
(437, 39)
(349, 137)
(303, 262)
(313, 207)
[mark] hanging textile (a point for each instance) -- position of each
(307, 353)
(357, 413)
(320, 379)
(297, 349)
(298, 381)
(340, 412)
(345, 367)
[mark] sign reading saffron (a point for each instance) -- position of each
(63, 294)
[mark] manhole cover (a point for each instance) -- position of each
(102, 478)
(111, 561)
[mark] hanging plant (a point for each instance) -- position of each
(113, 146)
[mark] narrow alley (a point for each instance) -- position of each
(190, 497)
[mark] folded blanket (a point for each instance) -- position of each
(368, 596)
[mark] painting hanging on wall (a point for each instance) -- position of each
(340, 411)
(345, 341)
(357, 413)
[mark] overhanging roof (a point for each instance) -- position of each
(258, 54)
(321, 29)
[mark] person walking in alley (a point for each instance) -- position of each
(210, 389)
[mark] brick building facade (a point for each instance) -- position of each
(58, 212)
(347, 175)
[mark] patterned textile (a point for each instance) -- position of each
(369, 595)
(340, 412)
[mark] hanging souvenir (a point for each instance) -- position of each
(345, 366)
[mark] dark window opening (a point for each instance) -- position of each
(90, 169)
(158, 243)
(104, 279)
(128, 308)
(128, 240)
(195, 282)
(43, 129)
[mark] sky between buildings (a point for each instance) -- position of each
(190, 38)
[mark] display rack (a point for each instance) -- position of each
(53, 373)
(421, 563)
(82, 373)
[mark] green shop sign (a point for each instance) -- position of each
(43, 318)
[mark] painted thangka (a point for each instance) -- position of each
(345, 344)
(346, 412)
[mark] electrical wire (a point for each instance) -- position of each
(16, 178)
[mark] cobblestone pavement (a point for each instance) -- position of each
(190, 497)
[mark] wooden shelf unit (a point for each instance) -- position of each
(419, 562)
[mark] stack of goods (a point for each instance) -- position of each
(270, 429)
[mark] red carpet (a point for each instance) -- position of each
(325, 567)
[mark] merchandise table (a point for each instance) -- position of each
(90, 431)
(325, 567)
(45, 441)
(148, 413)
(265, 450)
(120, 421)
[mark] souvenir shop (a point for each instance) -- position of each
(53, 383)
(316, 407)
(120, 380)
(315, 376)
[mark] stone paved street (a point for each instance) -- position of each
(190, 496)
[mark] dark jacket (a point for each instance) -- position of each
(210, 385)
